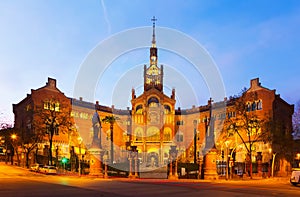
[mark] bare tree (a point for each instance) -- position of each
(11, 141)
(30, 140)
(247, 124)
(296, 121)
(53, 117)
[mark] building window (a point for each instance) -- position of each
(231, 114)
(53, 106)
(153, 134)
(28, 107)
(248, 106)
(138, 134)
(259, 105)
(253, 106)
(179, 122)
(153, 102)
(139, 109)
(167, 109)
(179, 136)
(167, 136)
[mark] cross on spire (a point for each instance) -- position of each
(153, 19)
(153, 34)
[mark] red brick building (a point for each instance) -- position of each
(153, 124)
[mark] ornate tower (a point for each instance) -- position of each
(153, 114)
(153, 75)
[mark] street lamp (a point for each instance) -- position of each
(273, 161)
(13, 138)
(226, 155)
(79, 158)
(298, 158)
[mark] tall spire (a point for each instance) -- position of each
(153, 76)
(153, 34)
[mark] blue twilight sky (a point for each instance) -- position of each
(246, 39)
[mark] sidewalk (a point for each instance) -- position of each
(254, 180)
(257, 180)
(245, 179)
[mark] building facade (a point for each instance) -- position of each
(153, 124)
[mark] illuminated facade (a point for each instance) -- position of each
(154, 125)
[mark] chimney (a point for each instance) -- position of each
(51, 82)
(254, 82)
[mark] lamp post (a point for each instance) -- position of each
(273, 161)
(226, 158)
(79, 158)
(13, 138)
(231, 161)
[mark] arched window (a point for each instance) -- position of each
(259, 105)
(139, 134)
(153, 134)
(253, 108)
(248, 107)
(153, 102)
(139, 109)
(167, 134)
(167, 109)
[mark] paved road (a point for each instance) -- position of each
(16, 181)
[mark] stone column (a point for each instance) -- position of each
(170, 167)
(96, 162)
(105, 158)
(133, 157)
(210, 166)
